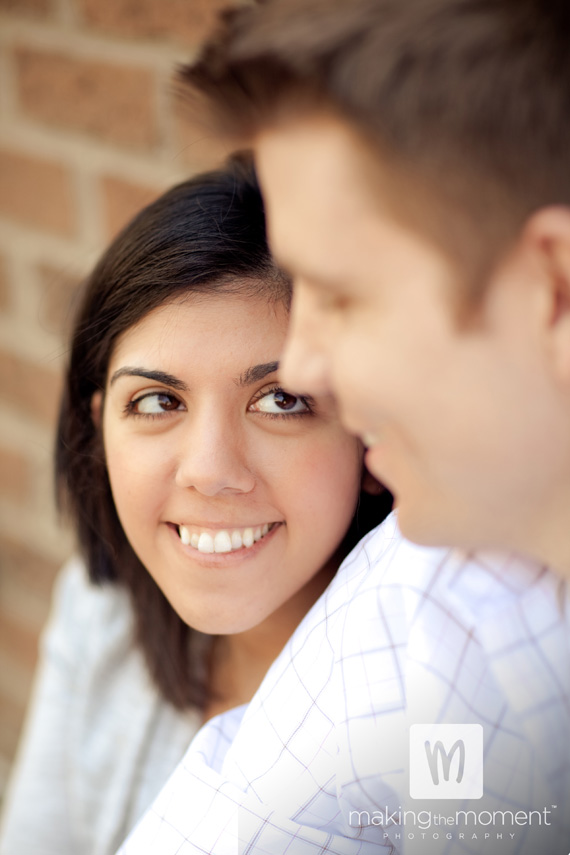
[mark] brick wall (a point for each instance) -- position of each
(90, 130)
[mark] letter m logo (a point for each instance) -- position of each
(446, 761)
(438, 752)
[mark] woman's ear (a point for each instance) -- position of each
(370, 484)
(97, 408)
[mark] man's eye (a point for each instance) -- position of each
(280, 402)
(331, 301)
(155, 403)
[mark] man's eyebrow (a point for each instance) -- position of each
(157, 376)
(257, 373)
(307, 274)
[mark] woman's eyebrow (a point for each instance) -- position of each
(257, 373)
(158, 376)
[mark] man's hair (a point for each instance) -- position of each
(468, 100)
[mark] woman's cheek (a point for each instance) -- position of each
(137, 477)
(331, 472)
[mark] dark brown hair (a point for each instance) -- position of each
(205, 235)
(465, 99)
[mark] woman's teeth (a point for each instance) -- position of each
(222, 541)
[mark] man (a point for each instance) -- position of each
(413, 158)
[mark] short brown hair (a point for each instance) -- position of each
(471, 97)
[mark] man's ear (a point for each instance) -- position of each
(549, 234)
(97, 408)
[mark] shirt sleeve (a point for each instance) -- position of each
(36, 817)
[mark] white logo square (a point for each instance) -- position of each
(446, 761)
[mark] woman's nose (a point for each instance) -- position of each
(214, 458)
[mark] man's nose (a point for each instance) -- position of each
(214, 457)
(304, 365)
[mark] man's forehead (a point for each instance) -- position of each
(315, 192)
(337, 205)
(311, 152)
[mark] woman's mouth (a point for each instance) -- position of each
(223, 540)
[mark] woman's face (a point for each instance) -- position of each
(233, 492)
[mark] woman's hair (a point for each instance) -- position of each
(205, 235)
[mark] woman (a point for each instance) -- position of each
(217, 504)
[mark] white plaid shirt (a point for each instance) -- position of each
(318, 762)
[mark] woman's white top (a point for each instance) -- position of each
(99, 740)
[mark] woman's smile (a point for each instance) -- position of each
(224, 539)
(209, 547)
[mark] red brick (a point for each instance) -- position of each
(32, 8)
(195, 145)
(59, 292)
(183, 21)
(4, 287)
(122, 200)
(11, 720)
(36, 192)
(18, 641)
(15, 475)
(113, 103)
(26, 568)
(29, 386)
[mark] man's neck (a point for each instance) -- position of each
(548, 539)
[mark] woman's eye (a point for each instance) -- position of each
(278, 401)
(155, 403)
